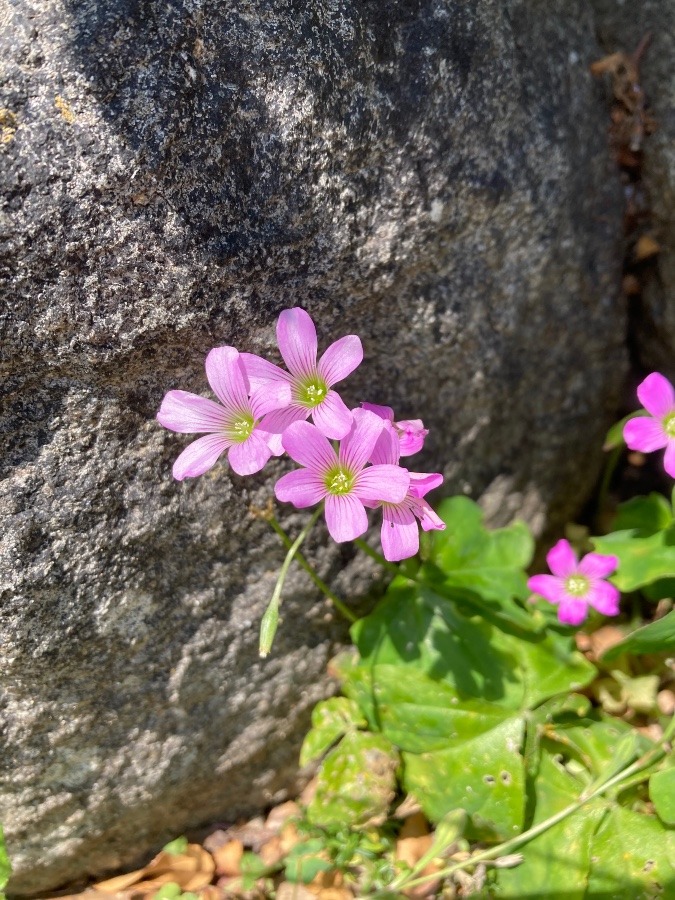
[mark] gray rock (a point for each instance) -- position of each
(620, 27)
(432, 175)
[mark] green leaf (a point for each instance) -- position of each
(177, 846)
(560, 858)
(646, 515)
(303, 863)
(330, 720)
(452, 693)
(5, 867)
(653, 638)
(662, 794)
(614, 437)
(483, 775)
(642, 560)
(169, 891)
(356, 782)
(632, 856)
(485, 568)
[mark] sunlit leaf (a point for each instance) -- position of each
(5, 868)
(642, 560)
(653, 638)
(662, 794)
(330, 720)
(356, 782)
(632, 856)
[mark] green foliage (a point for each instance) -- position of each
(662, 794)
(476, 696)
(176, 847)
(356, 782)
(173, 891)
(5, 867)
(331, 719)
(644, 542)
(652, 638)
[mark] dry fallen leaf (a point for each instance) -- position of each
(413, 843)
(192, 870)
(228, 857)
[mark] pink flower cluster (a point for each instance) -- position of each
(263, 411)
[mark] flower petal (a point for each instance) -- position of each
(271, 396)
(598, 565)
(656, 394)
(280, 419)
(356, 449)
(429, 519)
(199, 456)
(645, 434)
(386, 450)
(399, 534)
(547, 586)
(273, 441)
(604, 597)
(296, 336)
(669, 458)
(572, 610)
(423, 482)
(251, 455)
(332, 417)
(259, 371)
(340, 359)
(191, 414)
(561, 559)
(411, 435)
(384, 412)
(388, 484)
(301, 488)
(345, 517)
(306, 445)
(227, 378)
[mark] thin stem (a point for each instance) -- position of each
(392, 567)
(268, 624)
(646, 760)
(302, 561)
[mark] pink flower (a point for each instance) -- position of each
(310, 382)
(574, 585)
(341, 478)
(411, 432)
(657, 430)
(235, 425)
(400, 533)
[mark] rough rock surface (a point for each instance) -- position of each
(620, 27)
(431, 174)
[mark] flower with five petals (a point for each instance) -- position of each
(657, 430)
(340, 478)
(311, 382)
(575, 585)
(238, 425)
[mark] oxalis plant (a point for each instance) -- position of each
(464, 691)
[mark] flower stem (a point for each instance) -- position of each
(268, 625)
(646, 760)
(392, 567)
(322, 586)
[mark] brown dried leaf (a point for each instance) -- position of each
(192, 870)
(288, 891)
(228, 858)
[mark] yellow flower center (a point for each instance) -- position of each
(241, 428)
(669, 424)
(339, 481)
(312, 391)
(576, 585)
